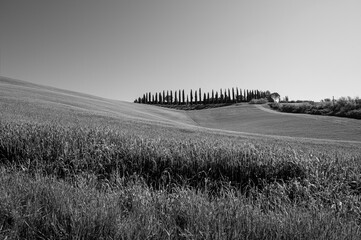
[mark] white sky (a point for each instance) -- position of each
(122, 49)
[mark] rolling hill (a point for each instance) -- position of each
(261, 120)
(21, 99)
(76, 166)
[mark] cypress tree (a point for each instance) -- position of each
(244, 95)
(187, 100)
(191, 97)
(195, 97)
(179, 95)
(221, 95)
(225, 96)
(175, 97)
(200, 95)
(171, 96)
(216, 100)
(163, 100)
(212, 96)
(229, 95)
(160, 98)
(156, 97)
(205, 98)
(237, 92)
(233, 99)
(183, 99)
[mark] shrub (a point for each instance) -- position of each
(343, 107)
(354, 114)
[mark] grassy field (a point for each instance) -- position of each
(74, 166)
(255, 119)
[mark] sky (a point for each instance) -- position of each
(120, 49)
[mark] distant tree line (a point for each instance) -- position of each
(342, 107)
(224, 96)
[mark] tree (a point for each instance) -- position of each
(196, 97)
(275, 97)
(212, 96)
(191, 97)
(205, 98)
(240, 95)
(200, 95)
(183, 97)
(233, 98)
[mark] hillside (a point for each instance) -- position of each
(75, 166)
(21, 100)
(261, 120)
(19, 97)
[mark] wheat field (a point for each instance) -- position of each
(75, 166)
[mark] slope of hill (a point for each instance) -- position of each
(257, 119)
(74, 166)
(20, 99)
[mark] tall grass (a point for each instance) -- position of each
(110, 182)
(67, 151)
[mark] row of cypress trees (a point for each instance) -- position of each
(179, 97)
